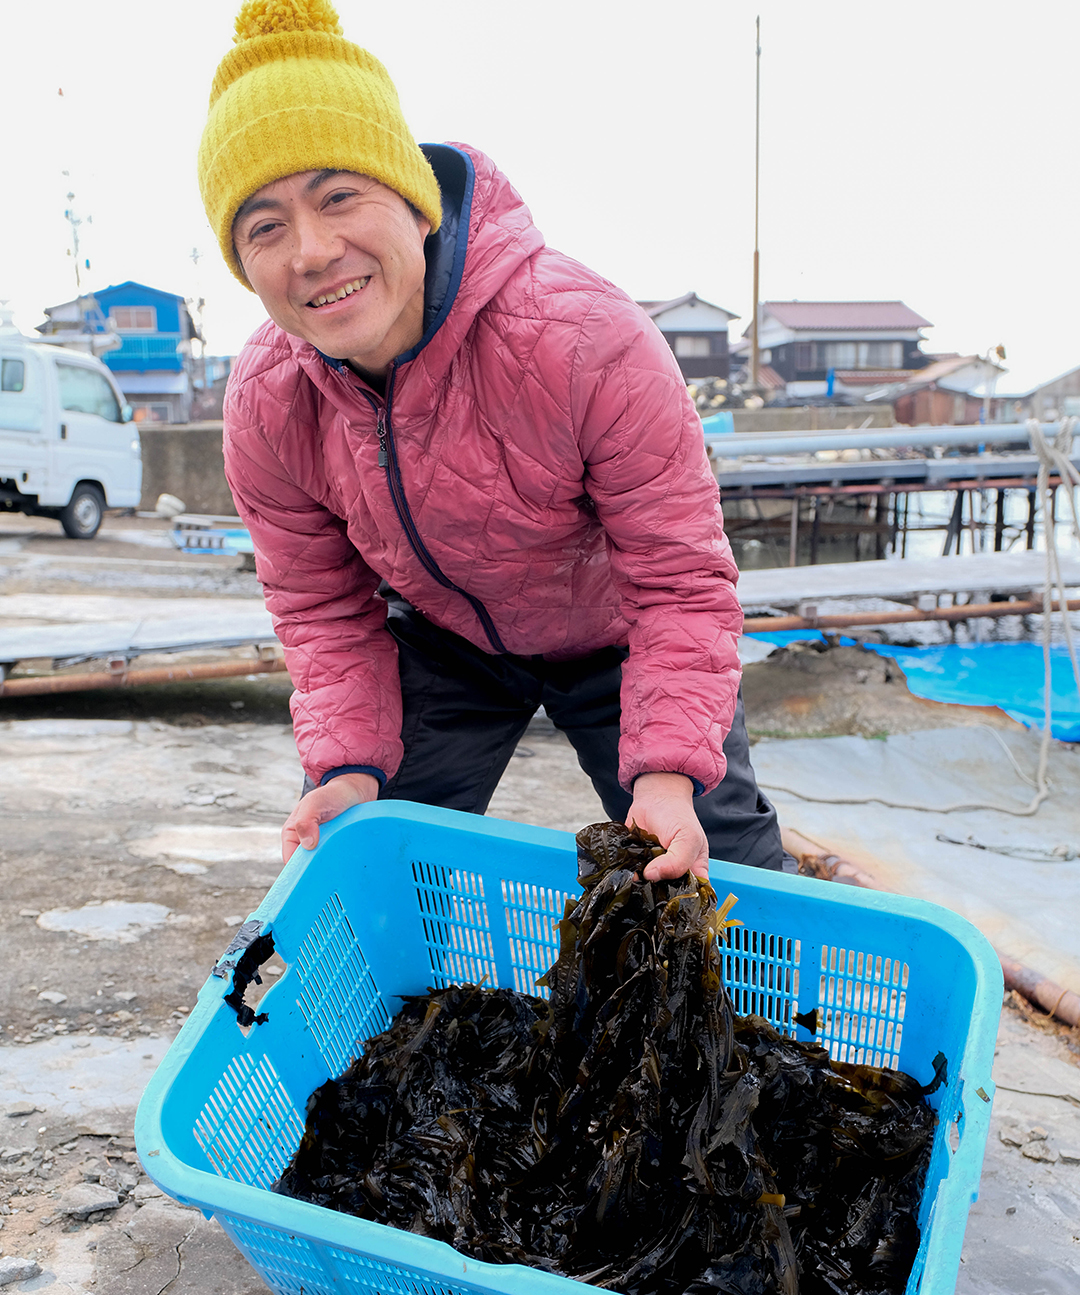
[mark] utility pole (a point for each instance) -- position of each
(754, 356)
(993, 355)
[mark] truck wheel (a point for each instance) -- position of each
(81, 519)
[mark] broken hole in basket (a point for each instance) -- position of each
(255, 949)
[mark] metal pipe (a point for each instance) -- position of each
(844, 620)
(730, 446)
(1050, 996)
(37, 685)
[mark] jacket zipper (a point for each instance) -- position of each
(388, 461)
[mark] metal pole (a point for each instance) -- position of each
(816, 502)
(754, 352)
(999, 521)
(956, 612)
(728, 445)
(955, 527)
(36, 685)
(793, 534)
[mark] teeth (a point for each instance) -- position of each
(348, 289)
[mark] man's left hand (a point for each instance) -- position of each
(664, 805)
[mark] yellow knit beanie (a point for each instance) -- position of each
(293, 95)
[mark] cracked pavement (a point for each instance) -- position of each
(140, 828)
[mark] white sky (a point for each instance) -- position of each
(926, 152)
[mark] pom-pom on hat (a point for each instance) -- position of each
(293, 95)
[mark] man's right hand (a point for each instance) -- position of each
(322, 804)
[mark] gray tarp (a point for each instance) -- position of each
(1029, 910)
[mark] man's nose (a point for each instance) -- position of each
(315, 246)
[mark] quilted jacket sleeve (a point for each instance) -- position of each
(322, 596)
(657, 499)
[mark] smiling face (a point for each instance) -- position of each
(337, 259)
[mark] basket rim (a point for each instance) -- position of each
(215, 1194)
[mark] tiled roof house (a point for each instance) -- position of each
(861, 344)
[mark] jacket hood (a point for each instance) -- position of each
(487, 231)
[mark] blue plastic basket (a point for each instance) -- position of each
(400, 897)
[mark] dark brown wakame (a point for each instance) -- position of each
(632, 1132)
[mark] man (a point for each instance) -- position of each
(472, 473)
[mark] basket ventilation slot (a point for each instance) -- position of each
(532, 917)
(456, 928)
(373, 1278)
(761, 973)
(338, 995)
(289, 1264)
(249, 1127)
(862, 998)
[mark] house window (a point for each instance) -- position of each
(838, 355)
(12, 375)
(804, 356)
(850, 355)
(133, 319)
(689, 347)
(881, 355)
(82, 391)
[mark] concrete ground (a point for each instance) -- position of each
(140, 829)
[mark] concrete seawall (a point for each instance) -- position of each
(809, 418)
(185, 460)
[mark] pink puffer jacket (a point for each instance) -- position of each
(535, 481)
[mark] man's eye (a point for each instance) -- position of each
(339, 197)
(263, 229)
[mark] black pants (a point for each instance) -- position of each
(465, 711)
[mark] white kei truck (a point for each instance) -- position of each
(68, 448)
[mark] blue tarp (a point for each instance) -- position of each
(1009, 675)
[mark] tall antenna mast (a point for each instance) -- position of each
(75, 221)
(200, 304)
(757, 175)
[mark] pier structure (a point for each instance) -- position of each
(860, 482)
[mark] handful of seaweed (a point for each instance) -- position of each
(631, 1132)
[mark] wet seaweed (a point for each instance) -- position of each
(631, 1131)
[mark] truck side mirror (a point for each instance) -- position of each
(125, 413)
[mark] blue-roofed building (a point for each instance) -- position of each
(152, 363)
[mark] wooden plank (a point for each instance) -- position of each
(902, 580)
